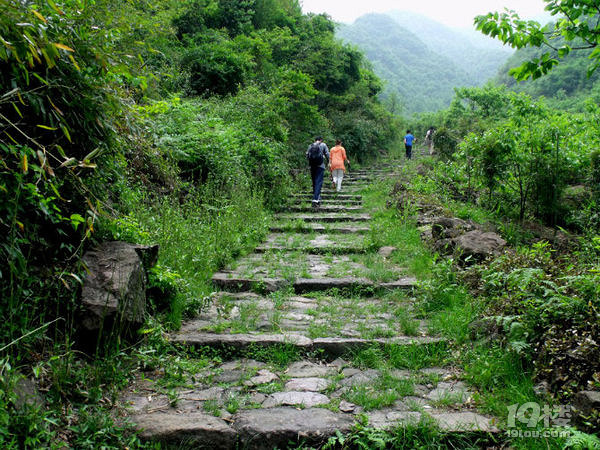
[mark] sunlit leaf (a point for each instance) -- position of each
(62, 47)
(39, 16)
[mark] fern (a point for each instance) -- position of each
(582, 441)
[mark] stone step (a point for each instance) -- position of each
(328, 347)
(308, 196)
(324, 217)
(322, 243)
(306, 402)
(324, 208)
(313, 250)
(235, 283)
(318, 228)
(326, 200)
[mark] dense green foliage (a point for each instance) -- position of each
(567, 86)
(421, 61)
(577, 26)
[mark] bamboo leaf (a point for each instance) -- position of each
(65, 131)
(56, 8)
(62, 46)
(17, 109)
(39, 16)
(74, 62)
(45, 127)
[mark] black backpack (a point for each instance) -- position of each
(315, 155)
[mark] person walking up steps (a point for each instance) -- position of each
(316, 154)
(338, 168)
(429, 139)
(408, 143)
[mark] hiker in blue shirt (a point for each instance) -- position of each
(316, 154)
(408, 143)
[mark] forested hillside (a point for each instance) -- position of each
(566, 87)
(479, 56)
(421, 78)
(420, 60)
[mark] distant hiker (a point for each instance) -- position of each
(316, 154)
(336, 163)
(408, 143)
(429, 139)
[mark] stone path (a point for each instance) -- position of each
(317, 301)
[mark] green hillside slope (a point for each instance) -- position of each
(478, 55)
(423, 79)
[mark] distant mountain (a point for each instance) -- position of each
(422, 76)
(479, 55)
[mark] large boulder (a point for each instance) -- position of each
(477, 245)
(449, 227)
(114, 291)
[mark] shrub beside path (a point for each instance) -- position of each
(310, 334)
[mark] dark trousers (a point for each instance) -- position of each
(408, 151)
(316, 173)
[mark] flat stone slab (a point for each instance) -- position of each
(330, 346)
(229, 281)
(319, 284)
(324, 208)
(455, 422)
(292, 398)
(318, 216)
(323, 243)
(239, 341)
(456, 393)
(309, 369)
(307, 384)
(332, 197)
(276, 427)
(193, 428)
(318, 228)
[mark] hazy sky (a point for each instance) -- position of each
(455, 13)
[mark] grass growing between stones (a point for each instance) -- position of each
(394, 356)
(423, 435)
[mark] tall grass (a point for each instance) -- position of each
(200, 235)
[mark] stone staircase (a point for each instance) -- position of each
(316, 290)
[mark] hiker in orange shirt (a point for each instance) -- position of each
(336, 164)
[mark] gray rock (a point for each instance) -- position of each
(456, 393)
(586, 402)
(390, 418)
(242, 364)
(305, 399)
(350, 371)
(347, 407)
(386, 251)
(262, 377)
(478, 245)
(542, 389)
(258, 398)
(449, 228)
(365, 377)
(339, 363)
(202, 430)
(27, 394)
(307, 369)
(114, 291)
(277, 427)
(307, 384)
(464, 421)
